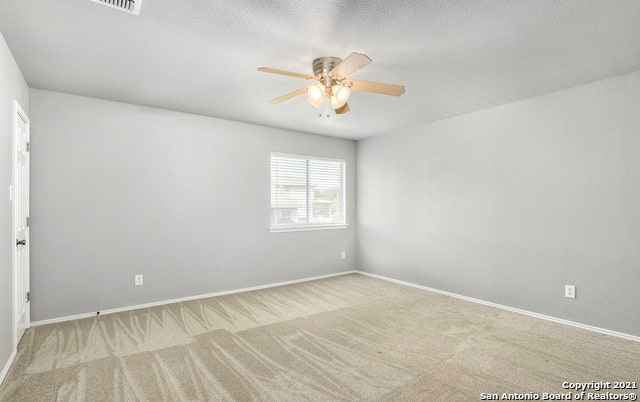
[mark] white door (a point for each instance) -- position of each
(21, 149)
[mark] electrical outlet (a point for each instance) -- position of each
(570, 291)
(343, 255)
(139, 280)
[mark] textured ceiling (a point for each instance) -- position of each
(200, 56)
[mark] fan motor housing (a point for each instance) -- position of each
(323, 65)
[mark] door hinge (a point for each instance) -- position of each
(27, 147)
(28, 221)
(28, 297)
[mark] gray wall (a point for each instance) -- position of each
(511, 203)
(12, 87)
(119, 189)
(506, 205)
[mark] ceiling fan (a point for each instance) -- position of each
(333, 82)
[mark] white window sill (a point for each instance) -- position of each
(302, 228)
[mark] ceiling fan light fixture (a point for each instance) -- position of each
(330, 74)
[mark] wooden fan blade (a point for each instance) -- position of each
(353, 62)
(288, 96)
(377, 87)
(342, 109)
(283, 72)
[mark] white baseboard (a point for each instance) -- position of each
(182, 299)
(271, 285)
(7, 366)
(513, 309)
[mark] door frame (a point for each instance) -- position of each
(19, 113)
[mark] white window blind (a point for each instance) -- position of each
(306, 192)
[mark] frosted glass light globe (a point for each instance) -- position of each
(316, 92)
(341, 93)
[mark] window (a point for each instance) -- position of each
(307, 192)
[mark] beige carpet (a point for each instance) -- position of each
(345, 338)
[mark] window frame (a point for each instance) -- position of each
(305, 226)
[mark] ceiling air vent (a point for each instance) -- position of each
(129, 6)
